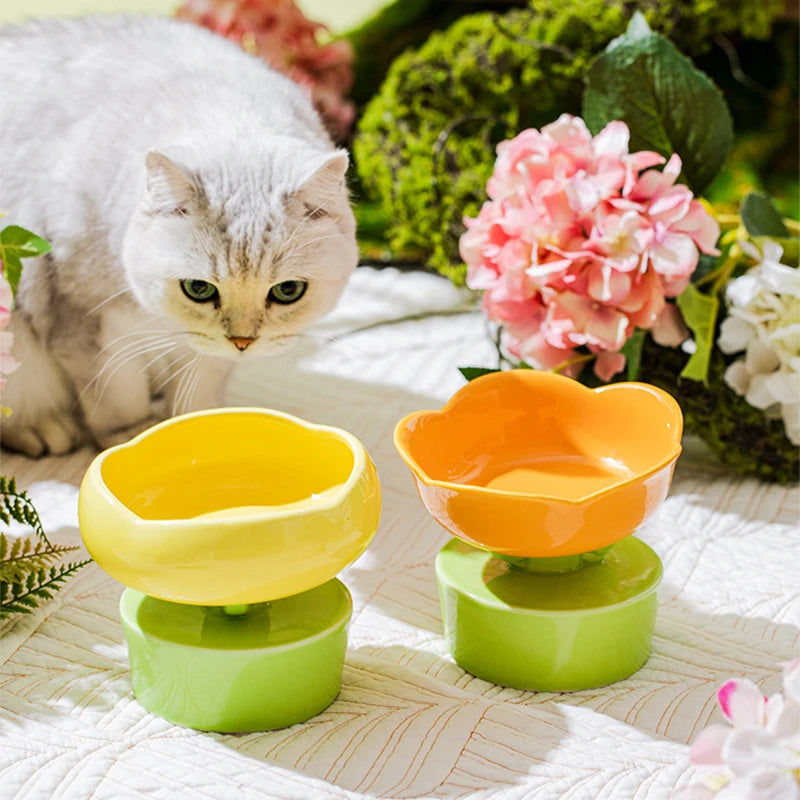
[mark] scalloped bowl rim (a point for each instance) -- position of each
(469, 488)
(270, 512)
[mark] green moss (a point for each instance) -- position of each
(425, 145)
(738, 434)
(400, 25)
(693, 24)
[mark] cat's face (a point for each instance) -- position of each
(237, 263)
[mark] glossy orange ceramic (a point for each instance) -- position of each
(533, 464)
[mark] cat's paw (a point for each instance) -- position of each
(53, 435)
(120, 436)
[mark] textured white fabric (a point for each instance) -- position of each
(408, 722)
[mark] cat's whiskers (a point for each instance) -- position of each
(182, 369)
(185, 372)
(123, 356)
(183, 386)
(127, 352)
(305, 220)
(197, 373)
(114, 296)
(141, 335)
(120, 359)
(140, 341)
(137, 332)
(157, 356)
(292, 253)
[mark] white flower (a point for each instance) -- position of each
(756, 756)
(764, 321)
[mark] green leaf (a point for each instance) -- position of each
(668, 104)
(12, 269)
(24, 243)
(632, 350)
(700, 315)
(470, 373)
(761, 218)
(15, 244)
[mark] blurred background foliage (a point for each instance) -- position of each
(426, 71)
(431, 117)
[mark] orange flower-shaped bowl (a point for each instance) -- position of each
(535, 465)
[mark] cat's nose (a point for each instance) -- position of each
(242, 342)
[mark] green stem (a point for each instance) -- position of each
(559, 368)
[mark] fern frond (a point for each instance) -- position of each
(22, 597)
(15, 504)
(26, 555)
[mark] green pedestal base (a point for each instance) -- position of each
(275, 665)
(549, 632)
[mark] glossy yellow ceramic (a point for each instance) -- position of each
(230, 506)
(533, 464)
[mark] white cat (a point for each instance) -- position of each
(198, 215)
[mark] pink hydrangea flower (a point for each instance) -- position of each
(582, 242)
(278, 32)
(757, 754)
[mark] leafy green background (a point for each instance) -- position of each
(668, 104)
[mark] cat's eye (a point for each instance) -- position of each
(199, 291)
(287, 292)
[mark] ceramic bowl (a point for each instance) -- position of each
(230, 506)
(535, 465)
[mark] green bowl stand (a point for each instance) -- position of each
(549, 625)
(238, 668)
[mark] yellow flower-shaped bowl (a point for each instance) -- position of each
(230, 506)
(535, 465)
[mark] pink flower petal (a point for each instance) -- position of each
(749, 751)
(675, 255)
(783, 720)
(674, 286)
(607, 365)
(582, 193)
(643, 159)
(742, 702)
(568, 129)
(612, 140)
(669, 329)
(557, 205)
(672, 169)
(506, 311)
(607, 285)
(671, 205)
(645, 301)
(8, 364)
(547, 268)
(707, 747)
(701, 226)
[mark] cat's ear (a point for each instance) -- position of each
(169, 189)
(324, 174)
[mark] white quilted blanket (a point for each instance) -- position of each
(408, 723)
